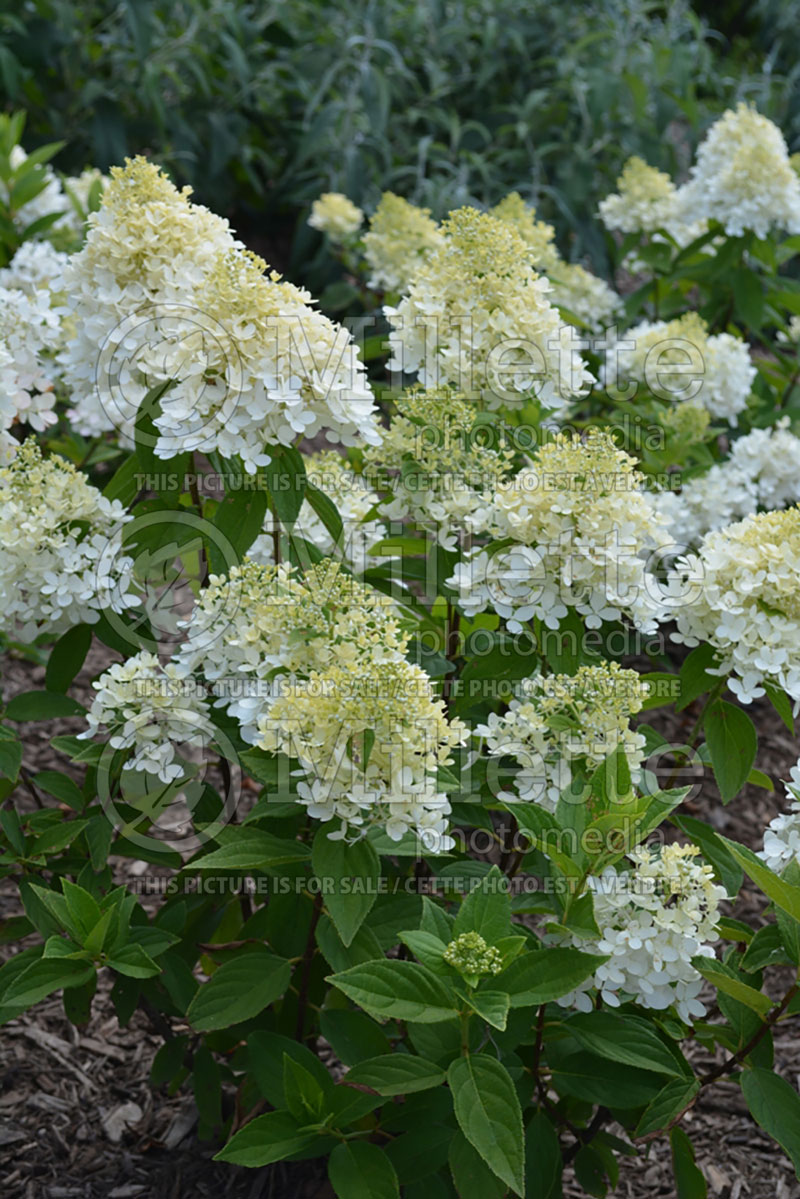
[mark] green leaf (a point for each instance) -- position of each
(488, 1113)
(668, 1103)
(732, 743)
(694, 675)
(598, 1080)
(396, 1074)
(67, 657)
(61, 787)
(353, 1036)
(491, 1006)
(487, 909)
(748, 297)
(775, 1105)
(133, 962)
(326, 511)
(240, 517)
(359, 1170)
(285, 480)
(350, 875)
(43, 977)
(396, 989)
(781, 703)
(42, 705)
(238, 990)
(304, 1096)
(472, 1177)
(714, 850)
(266, 1139)
(628, 1039)
(543, 1164)
(726, 980)
(782, 893)
(545, 975)
(10, 758)
(689, 1181)
(252, 849)
(145, 432)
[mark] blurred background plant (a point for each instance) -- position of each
(260, 107)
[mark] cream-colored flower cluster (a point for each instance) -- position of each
(369, 737)
(477, 316)
(538, 236)
(578, 291)
(782, 835)
(30, 332)
(761, 471)
(149, 708)
(677, 360)
(333, 214)
(36, 266)
(313, 666)
(741, 594)
(742, 177)
(353, 499)
(443, 472)
(574, 528)
(399, 238)
(163, 293)
(646, 200)
(62, 559)
(653, 919)
(561, 722)
(263, 622)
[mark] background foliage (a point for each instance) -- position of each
(262, 106)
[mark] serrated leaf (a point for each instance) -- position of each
(488, 1113)
(238, 990)
(396, 1074)
(360, 1170)
(350, 874)
(396, 989)
(545, 975)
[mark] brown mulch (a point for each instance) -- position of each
(78, 1116)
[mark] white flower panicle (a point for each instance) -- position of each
(36, 266)
(741, 594)
(761, 471)
(399, 238)
(149, 708)
(782, 835)
(560, 722)
(354, 500)
(578, 522)
(336, 216)
(161, 293)
(477, 316)
(62, 559)
(743, 177)
(653, 919)
(678, 361)
(436, 463)
(262, 622)
(369, 737)
(30, 332)
(575, 289)
(538, 236)
(646, 200)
